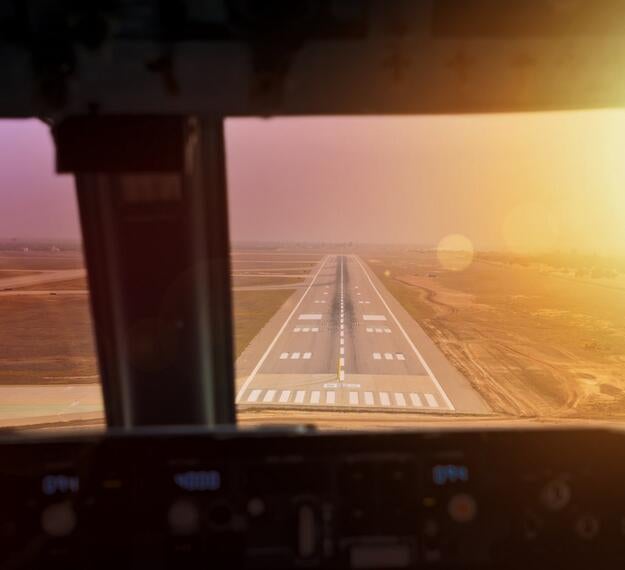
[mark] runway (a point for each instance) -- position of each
(343, 342)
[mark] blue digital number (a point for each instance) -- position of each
(61, 484)
(444, 474)
(198, 480)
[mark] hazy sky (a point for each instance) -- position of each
(530, 180)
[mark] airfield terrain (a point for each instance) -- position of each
(500, 341)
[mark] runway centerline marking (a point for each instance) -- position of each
(251, 377)
(412, 345)
(341, 366)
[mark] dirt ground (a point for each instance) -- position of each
(534, 343)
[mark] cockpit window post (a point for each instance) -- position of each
(152, 200)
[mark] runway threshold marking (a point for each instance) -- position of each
(251, 377)
(353, 397)
(416, 401)
(431, 400)
(269, 396)
(425, 365)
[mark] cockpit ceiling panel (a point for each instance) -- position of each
(312, 57)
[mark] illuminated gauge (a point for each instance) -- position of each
(184, 517)
(58, 519)
(556, 495)
(462, 508)
(587, 527)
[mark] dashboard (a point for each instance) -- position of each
(265, 499)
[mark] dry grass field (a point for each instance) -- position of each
(252, 309)
(263, 279)
(46, 339)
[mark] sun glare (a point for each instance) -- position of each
(455, 252)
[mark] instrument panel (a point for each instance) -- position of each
(192, 499)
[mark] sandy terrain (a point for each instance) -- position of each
(532, 343)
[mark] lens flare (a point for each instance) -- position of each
(455, 252)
